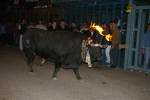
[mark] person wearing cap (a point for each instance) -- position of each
(115, 44)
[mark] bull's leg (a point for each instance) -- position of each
(43, 61)
(76, 71)
(57, 68)
(30, 58)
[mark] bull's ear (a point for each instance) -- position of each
(90, 41)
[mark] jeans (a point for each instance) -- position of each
(146, 60)
(108, 53)
(16, 40)
(115, 54)
(20, 44)
(3, 37)
(10, 39)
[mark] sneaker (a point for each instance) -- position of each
(146, 74)
(107, 61)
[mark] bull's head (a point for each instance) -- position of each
(92, 51)
(94, 48)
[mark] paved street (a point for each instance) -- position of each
(99, 82)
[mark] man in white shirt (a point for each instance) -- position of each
(40, 25)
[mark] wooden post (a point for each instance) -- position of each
(19, 18)
(13, 16)
(48, 15)
(25, 16)
(38, 14)
(29, 17)
(48, 11)
(43, 16)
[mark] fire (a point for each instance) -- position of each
(108, 37)
(100, 30)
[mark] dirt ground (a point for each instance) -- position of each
(99, 82)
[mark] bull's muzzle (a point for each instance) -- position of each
(98, 45)
(89, 41)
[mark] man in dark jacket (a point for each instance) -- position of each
(62, 25)
(53, 27)
(22, 29)
(74, 27)
(9, 34)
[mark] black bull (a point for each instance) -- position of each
(62, 47)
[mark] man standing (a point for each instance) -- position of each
(145, 45)
(118, 20)
(62, 25)
(9, 33)
(53, 27)
(74, 27)
(22, 29)
(107, 51)
(115, 43)
(40, 25)
(3, 33)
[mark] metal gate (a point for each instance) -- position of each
(137, 26)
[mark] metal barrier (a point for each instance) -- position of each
(137, 21)
(61, 1)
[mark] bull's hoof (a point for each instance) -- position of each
(80, 80)
(89, 66)
(54, 78)
(31, 73)
(42, 63)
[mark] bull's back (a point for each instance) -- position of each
(53, 44)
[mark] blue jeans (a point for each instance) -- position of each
(146, 60)
(16, 40)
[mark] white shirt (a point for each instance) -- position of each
(118, 24)
(41, 27)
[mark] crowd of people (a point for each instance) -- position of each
(11, 34)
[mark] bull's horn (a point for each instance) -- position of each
(96, 45)
(103, 46)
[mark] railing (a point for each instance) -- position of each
(61, 1)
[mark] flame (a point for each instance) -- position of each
(108, 37)
(100, 30)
